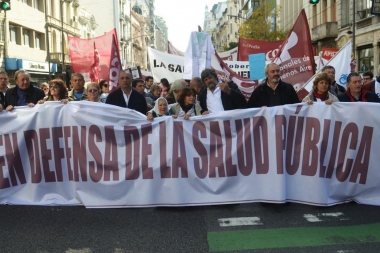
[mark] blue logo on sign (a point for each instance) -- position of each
(343, 79)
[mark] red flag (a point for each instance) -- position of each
(296, 58)
(251, 46)
(94, 70)
(173, 50)
(115, 66)
(82, 54)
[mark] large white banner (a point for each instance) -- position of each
(170, 66)
(105, 156)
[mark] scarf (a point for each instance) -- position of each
(322, 97)
(186, 109)
(352, 99)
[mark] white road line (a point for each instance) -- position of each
(311, 218)
(333, 215)
(318, 217)
(240, 221)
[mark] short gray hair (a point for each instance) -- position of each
(21, 71)
(176, 85)
(267, 66)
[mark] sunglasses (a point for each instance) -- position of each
(93, 90)
(54, 87)
(45, 88)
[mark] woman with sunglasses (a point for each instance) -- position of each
(104, 90)
(57, 92)
(93, 92)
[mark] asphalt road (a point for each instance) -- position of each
(346, 228)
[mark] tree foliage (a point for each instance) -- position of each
(230, 46)
(261, 25)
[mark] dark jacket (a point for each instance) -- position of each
(337, 89)
(259, 96)
(136, 100)
(369, 96)
(232, 101)
(33, 95)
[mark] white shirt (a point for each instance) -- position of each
(126, 98)
(214, 100)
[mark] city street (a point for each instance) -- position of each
(252, 227)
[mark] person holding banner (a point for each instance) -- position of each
(355, 91)
(273, 91)
(78, 92)
(186, 106)
(24, 93)
(219, 95)
(160, 109)
(320, 91)
(125, 96)
(57, 92)
(93, 92)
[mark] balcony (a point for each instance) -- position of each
(57, 24)
(324, 31)
(57, 58)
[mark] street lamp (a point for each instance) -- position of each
(63, 40)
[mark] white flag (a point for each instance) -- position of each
(341, 62)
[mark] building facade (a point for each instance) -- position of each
(34, 37)
(161, 35)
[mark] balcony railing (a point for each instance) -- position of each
(325, 30)
(57, 58)
(56, 23)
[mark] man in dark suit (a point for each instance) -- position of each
(125, 96)
(219, 96)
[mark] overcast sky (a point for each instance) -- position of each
(182, 18)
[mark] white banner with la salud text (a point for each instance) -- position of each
(104, 156)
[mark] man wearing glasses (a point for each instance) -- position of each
(368, 82)
(125, 96)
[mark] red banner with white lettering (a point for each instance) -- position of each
(114, 65)
(295, 58)
(328, 53)
(251, 46)
(85, 52)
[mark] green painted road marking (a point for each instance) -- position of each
(292, 237)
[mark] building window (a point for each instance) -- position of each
(366, 60)
(38, 40)
(333, 11)
(12, 34)
(315, 17)
(38, 5)
(345, 10)
(26, 37)
(364, 6)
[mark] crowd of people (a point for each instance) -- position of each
(199, 96)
